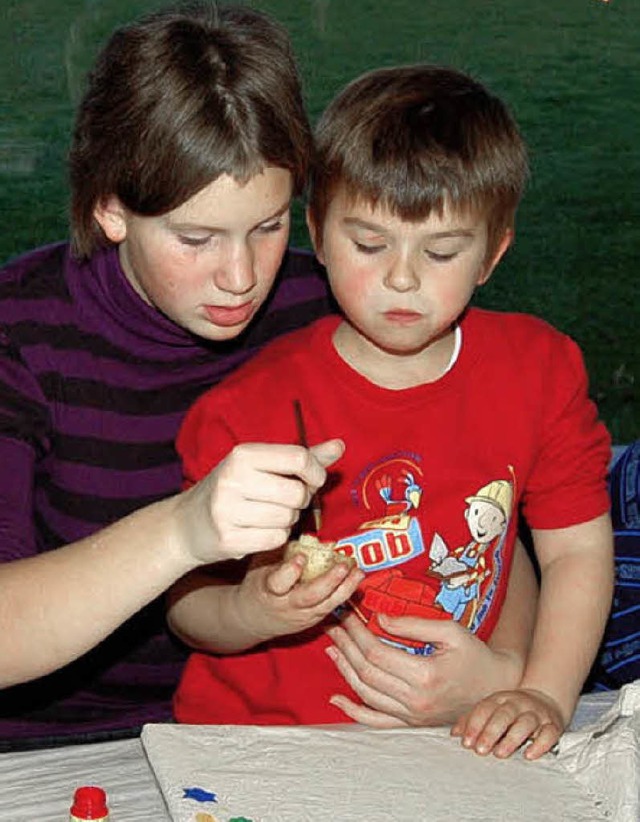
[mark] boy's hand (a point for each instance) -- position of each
(398, 688)
(273, 602)
(504, 721)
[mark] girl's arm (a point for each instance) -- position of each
(57, 605)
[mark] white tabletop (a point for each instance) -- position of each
(39, 785)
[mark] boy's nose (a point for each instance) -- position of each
(235, 273)
(401, 275)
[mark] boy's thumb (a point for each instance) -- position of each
(328, 452)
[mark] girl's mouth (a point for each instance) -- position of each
(227, 317)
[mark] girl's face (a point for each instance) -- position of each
(210, 263)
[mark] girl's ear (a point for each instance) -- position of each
(503, 245)
(110, 215)
(316, 239)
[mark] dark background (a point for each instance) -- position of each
(568, 70)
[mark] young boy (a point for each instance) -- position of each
(455, 420)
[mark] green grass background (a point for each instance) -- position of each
(570, 71)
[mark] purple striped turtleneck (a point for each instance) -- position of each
(93, 386)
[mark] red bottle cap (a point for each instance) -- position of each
(89, 802)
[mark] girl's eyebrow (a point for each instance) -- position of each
(434, 235)
(186, 225)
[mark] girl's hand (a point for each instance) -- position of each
(398, 688)
(250, 501)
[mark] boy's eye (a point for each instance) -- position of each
(441, 258)
(363, 248)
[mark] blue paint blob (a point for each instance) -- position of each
(199, 794)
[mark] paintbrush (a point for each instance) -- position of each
(302, 440)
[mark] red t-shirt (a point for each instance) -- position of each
(425, 497)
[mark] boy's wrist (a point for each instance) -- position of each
(249, 620)
(564, 701)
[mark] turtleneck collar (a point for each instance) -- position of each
(114, 295)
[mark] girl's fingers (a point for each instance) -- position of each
(375, 699)
(364, 715)
(250, 514)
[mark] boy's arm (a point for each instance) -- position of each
(576, 566)
(213, 614)
(514, 630)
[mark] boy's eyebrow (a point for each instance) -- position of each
(186, 224)
(434, 235)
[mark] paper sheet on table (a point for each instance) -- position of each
(344, 773)
(604, 756)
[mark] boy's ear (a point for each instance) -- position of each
(111, 217)
(316, 240)
(503, 245)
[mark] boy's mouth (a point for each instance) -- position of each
(402, 316)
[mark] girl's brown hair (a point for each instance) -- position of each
(177, 99)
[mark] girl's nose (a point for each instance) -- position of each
(235, 274)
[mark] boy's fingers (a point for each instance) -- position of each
(458, 728)
(282, 579)
(475, 722)
(503, 716)
(331, 589)
(516, 735)
(544, 740)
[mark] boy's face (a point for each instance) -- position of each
(210, 263)
(401, 285)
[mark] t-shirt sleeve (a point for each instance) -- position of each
(568, 482)
(205, 438)
(24, 436)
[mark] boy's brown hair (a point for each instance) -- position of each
(416, 139)
(177, 99)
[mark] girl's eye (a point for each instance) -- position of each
(271, 228)
(193, 241)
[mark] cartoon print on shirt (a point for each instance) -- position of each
(464, 570)
(411, 497)
(391, 490)
(448, 584)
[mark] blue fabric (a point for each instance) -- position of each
(619, 659)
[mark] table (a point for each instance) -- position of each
(39, 785)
